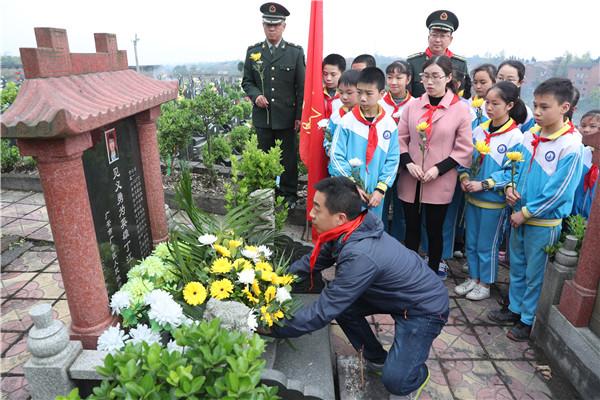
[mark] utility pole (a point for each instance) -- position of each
(137, 64)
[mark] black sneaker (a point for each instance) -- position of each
(520, 332)
(504, 316)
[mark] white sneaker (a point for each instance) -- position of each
(479, 292)
(465, 267)
(465, 287)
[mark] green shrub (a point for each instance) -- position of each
(214, 364)
(10, 156)
(239, 136)
(8, 95)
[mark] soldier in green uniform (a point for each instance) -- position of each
(274, 80)
(441, 25)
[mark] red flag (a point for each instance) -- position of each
(312, 152)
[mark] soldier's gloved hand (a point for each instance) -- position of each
(261, 101)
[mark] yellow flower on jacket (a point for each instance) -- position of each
(255, 57)
(477, 102)
(422, 127)
(482, 147)
(515, 156)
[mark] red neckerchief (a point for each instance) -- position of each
(333, 234)
(537, 139)
(447, 53)
(428, 116)
(329, 102)
(343, 111)
(590, 178)
(388, 99)
(372, 140)
(507, 127)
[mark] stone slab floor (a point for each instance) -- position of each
(471, 359)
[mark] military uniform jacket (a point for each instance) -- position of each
(416, 62)
(283, 84)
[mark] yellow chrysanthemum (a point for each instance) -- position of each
(221, 289)
(249, 296)
(267, 276)
(256, 288)
(264, 266)
(477, 102)
(234, 244)
(266, 316)
(284, 280)
(194, 293)
(482, 147)
(221, 266)
(241, 264)
(255, 57)
(270, 294)
(277, 315)
(222, 250)
(515, 156)
(422, 127)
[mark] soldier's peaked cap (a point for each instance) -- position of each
(273, 13)
(442, 19)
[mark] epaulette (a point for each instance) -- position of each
(416, 55)
(459, 57)
(255, 45)
(293, 45)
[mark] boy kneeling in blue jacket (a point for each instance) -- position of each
(375, 274)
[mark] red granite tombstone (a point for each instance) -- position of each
(65, 99)
(579, 295)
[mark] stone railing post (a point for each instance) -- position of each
(51, 355)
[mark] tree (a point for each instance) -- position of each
(176, 126)
(8, 95)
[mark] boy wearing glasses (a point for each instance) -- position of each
(441, 25)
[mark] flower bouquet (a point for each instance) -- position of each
(483, 149)
(422, 129)
(477, 104)
(327, 135)
(260, 68)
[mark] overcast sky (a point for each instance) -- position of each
(175, 31)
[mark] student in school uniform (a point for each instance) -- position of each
(334, 66)
(435, 137)
(485, 211)
(370, 136)
(542, 196)
(363, 61)
(513, 71)
(587, 187)
(484, 77)
(349, 98)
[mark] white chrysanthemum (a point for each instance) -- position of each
(143, 334)
(246, 276)
(162, 251)
(166, 312)
(112, 340)
(119, 301)
(251, 254)
(157, 296)
(355, 162)
(323, 123)
(252, 322)
(282, 295)
(173, 346)
(207, 239)
(265, 251)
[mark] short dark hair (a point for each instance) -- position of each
(399, 67)
(489, 69)
(518, 65)
(341, 195)
(368, 59)
(445, 63)
(592, 113)
(349, 78)
(561, 88)
(372, 75)
(574, 101)
(335, 59)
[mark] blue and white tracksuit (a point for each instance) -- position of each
(334, 121)
(529, 121)
(350, 141)
(582, 203)
(547, 186)
(485, 211)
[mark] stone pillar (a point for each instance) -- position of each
(155, 196)
(578, 295)
(51, 355)
(65, 191)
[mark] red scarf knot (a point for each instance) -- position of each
(329, 102)
(372, 139)
(537, 139)
(447, 53)
(428, 116)
(388, 99)
(590, 178)
(333, 234)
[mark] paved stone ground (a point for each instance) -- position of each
(471, 359)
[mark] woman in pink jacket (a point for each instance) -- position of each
(435, 137)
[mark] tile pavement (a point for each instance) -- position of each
(471, 359)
